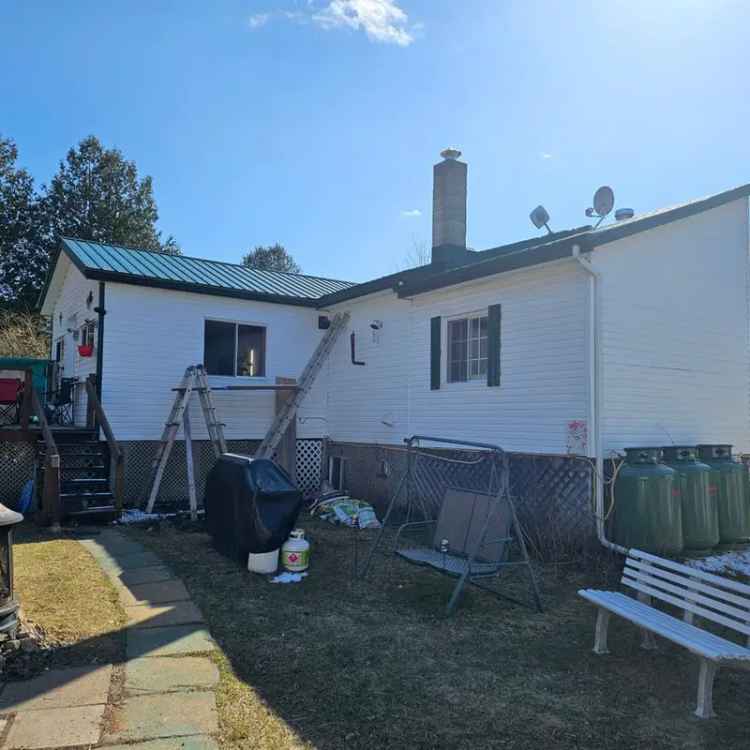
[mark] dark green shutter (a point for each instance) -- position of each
(435, 335)
(494, 316)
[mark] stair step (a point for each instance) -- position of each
(83, 495)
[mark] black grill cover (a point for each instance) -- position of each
(251, 505)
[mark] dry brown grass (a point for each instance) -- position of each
(62, 589)
(332, 665)
(23, 334)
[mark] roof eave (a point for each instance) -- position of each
(534, 256)
(183, 286)
(636, 225)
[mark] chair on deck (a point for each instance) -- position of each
(60, 408)
(10, 392)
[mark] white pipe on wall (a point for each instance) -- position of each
(595, 393)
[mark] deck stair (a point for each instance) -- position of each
(85, 491)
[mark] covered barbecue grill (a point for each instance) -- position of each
(251, 505)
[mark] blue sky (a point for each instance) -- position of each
(315, 123)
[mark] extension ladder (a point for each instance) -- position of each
(288, 411)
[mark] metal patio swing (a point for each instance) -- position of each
(455, 515)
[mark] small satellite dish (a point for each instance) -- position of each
(540, 218)
(604, 200)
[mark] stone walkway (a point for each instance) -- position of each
(162, 699)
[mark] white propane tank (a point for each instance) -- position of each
(295, 552)
(263, 562)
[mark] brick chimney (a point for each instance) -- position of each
(449, 210)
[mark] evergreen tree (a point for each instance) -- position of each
(23, 254)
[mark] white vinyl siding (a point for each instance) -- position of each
(674, 332)
(544, 365)
(152, 335)
(71, 311)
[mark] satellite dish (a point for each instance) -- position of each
(604, 200)
(539, 218)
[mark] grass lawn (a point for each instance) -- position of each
(329, 664)
(62, 589)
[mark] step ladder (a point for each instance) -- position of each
(194, 380)
(288, 411)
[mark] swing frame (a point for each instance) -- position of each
(466, 566)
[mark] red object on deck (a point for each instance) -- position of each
(86, 350)
(9, 388)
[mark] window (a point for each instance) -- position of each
(467, 349)
(87, 333)
(234, 349)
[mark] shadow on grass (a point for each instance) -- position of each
(342, 664)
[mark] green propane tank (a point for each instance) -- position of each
(731, 482)
(648, 511)
(700, 512)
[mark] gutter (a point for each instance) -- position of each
(595, 391)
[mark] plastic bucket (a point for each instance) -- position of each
(263, 562)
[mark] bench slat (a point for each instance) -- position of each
(688, 595)
(689, 636)
(682, 604)
(725, 583)
(689, 583)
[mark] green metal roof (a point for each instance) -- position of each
(130, 265)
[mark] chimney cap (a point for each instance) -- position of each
(450, 153)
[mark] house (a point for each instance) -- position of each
(576, 342)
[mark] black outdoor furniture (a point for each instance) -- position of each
(60, 405)
(251, 505)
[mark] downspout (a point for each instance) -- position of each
(595, 392)
(101, 312)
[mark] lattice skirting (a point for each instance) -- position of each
(553, 494)
(139, 455)
(17, 462)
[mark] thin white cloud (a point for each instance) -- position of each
(381, 20)
(411, 213)
(545, 155)
(258, 20)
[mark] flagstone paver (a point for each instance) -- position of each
(145, 575)
(56, 727)
(160, 592)
(195, 742)
(165, 675)
(58, 688)
(168, 641)
(166, 701)
(159, 615)
(165, 715)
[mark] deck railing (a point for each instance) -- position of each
(51, 507)
(97, 418)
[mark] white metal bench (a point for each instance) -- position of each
(698, 595)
